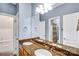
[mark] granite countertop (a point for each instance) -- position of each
(58, 48)
(55, 49)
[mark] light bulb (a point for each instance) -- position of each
(41, 7)
(45, 10)
(50, 8)
(42, 12)
(38, 10)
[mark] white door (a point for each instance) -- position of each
(6, 34)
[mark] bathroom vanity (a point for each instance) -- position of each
(37, 47)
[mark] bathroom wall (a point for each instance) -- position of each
(35, 24)
(35, 21)
(8, 8)
(38, 28)
(24, 20)
(70, 33)
(41, 30)
(29, 22)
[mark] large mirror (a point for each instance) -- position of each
(70, 30)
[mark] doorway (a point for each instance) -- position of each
(54, 29)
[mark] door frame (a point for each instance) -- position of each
(14, 36)
(50, 29)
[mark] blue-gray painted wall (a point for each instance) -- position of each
(8, 8)
(25, 20)
(66, 8)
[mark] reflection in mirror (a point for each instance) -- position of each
(54, 30)
(78, 25)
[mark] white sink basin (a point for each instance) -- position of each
(27, 43)
(42, 52)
